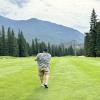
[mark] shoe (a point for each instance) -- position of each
(46, 86)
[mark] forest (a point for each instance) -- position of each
(92, 38)
(11, 45)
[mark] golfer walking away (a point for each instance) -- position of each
(43, 60)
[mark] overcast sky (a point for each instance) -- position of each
(71, 13)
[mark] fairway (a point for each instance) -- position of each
(72, 78)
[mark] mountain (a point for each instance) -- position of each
(43, 30)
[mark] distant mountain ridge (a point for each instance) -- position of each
(43, 30)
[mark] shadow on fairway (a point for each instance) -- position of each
(40, 89)
(38, 93)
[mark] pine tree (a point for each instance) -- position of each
(90, 38)
(36, 46)
(33, 48)
(49, 47)
(93, 33)
(14, 45)
(3, 40)
(43, 45)
(9, 41)
(98, 40)
(66, 51)
(70, 51)
(59, 51)
(22, 45)
(6, 46)
(87, 45)
(28, 48)
(93, 20)
(0, 43)
(40, 46)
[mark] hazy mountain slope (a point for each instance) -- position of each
(43, 30)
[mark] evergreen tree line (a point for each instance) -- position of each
(11, 45)
(92, 38)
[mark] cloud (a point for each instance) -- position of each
(19, 3)
(72, 13)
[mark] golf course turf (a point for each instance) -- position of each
(71, 78)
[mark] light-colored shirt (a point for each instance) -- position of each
(43, 60)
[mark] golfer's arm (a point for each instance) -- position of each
(35, 59)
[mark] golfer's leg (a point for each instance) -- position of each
(41, 77)
(46, 79)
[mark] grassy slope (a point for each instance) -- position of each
(72, 78)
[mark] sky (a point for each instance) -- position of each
(71, 13)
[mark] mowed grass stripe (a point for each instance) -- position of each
(13, 65)
(90, 67)
(76, 81)
(16, 85)
(70, 80)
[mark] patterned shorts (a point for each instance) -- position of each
(44, 71)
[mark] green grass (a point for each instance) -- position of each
(72, 78)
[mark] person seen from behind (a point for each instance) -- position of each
(43, 60)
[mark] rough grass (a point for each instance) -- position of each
(72, 78)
